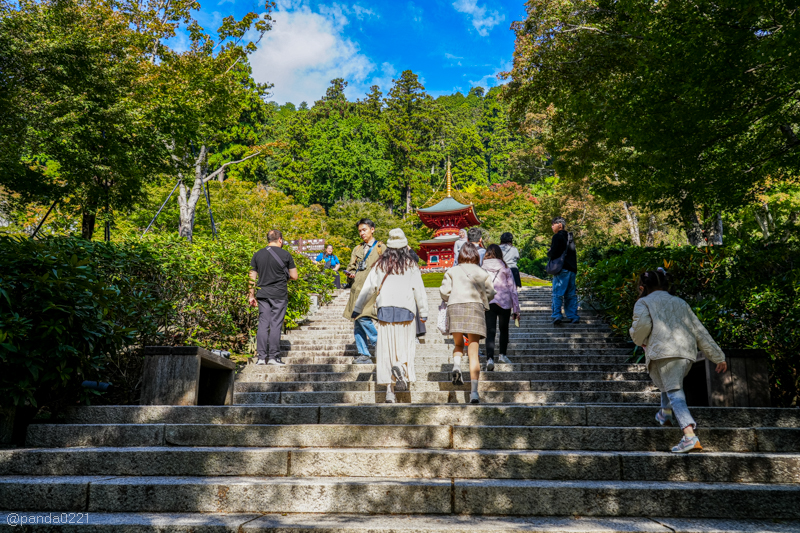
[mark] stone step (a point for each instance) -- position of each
(514, 343)
(345, 523)
(522, 347)
(384, 496)
(716, 467)
(393, 414)
(429, 359)
(444, 376)
(443, 385)
(434, 397)
(310, 336)
(525, 327)
(256, 370)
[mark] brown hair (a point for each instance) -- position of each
(469, 254)
(494, 252)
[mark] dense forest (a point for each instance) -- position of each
(103, 119)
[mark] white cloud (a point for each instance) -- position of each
(490, 80)
(483, 20)
(306, 49)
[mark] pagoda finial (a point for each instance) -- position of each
(449, 179)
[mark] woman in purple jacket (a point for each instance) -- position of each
(502, 307)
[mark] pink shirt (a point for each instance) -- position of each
(503, 282)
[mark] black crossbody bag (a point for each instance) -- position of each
(555, 266)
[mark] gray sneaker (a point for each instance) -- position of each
(362, 360)
(489, 364)
(400, 384)
(688, 444)
(503, 360)
(276, 362)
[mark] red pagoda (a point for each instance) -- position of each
(447, 218)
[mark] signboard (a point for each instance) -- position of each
(308, 247)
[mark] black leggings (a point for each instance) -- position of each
(495, 312)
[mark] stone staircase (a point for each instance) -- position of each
(564, 440)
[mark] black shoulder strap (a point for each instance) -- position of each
(278, 259)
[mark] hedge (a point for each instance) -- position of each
(746, 297)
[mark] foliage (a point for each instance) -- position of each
(76, 118)
(747, 298)
(412, 124)
(71, 310)
(206, 285)
(343, 217)
(74, 310)
(673, 105)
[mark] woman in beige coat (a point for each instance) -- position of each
(467, 289)
(670, 333)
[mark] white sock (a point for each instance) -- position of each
(456, 362)
(475, 386)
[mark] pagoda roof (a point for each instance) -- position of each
(446, 240)
(447, 205)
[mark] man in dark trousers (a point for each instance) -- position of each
(270, 270)
(564, 291)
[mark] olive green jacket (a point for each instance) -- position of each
(355, 258)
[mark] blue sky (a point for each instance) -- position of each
(451, 44)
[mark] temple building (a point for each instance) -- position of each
(446, 217)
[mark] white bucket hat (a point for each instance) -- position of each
(397, 239)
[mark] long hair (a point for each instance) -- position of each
(469, 254)
(495, 252)
(655, 280)
(395, 261)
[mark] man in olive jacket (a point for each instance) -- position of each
(364, 256)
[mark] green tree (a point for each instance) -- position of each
(77, 116)
(346, 160)
(204, 92)
(678, 106)
(412, 125)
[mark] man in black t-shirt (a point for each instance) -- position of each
(270, 270)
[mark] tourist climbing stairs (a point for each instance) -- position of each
(564, 440)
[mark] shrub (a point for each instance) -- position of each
(74, 310)
(747, 298)
(206, 284)
(69, 309)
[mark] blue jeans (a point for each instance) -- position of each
(676, 400)
(564, 293)
(366, 335)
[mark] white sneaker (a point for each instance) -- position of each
(489, 364)
(390, 397)
(504, 360)
(260, 362)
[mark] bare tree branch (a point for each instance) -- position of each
(222, 168)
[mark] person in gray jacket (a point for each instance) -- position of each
(510, 256)
(670, 333)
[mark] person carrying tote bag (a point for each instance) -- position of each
(467, 289)
(504, 305)
(397, 281)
